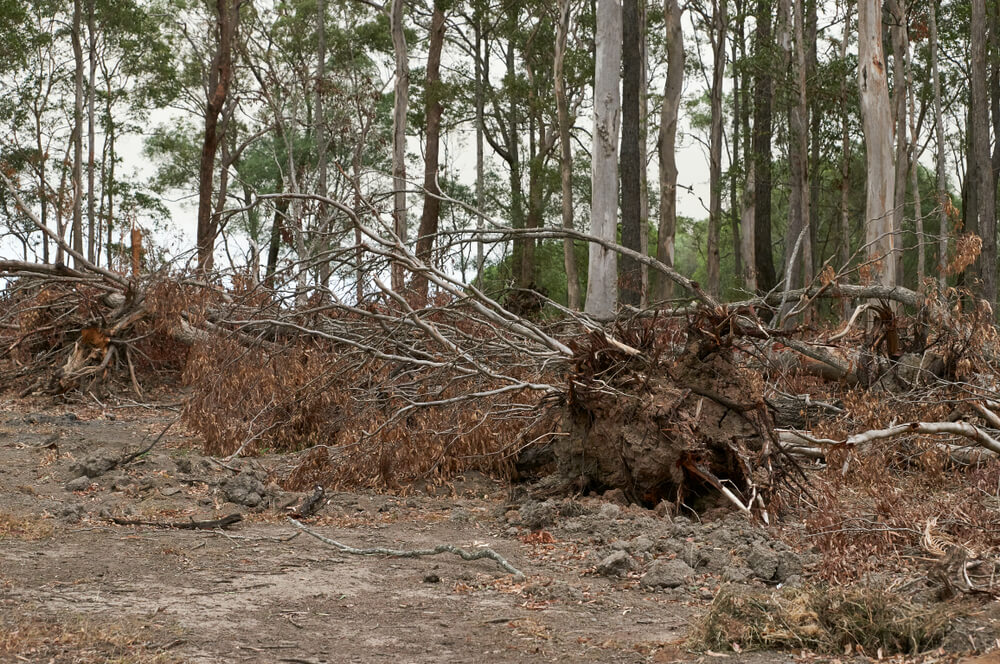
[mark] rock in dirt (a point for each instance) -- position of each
(72, 512)
(616, 564)
(536, 515)
(667, 574)
(244, 489)
(81, 483)
(94, 464)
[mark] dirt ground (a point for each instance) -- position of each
(605, 582)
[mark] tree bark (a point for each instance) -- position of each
(985, 194)
(944, 201)
(720, 21)
(845, 164)
(877, 122)
(566, 155)
(320, 135)
(93, 237)
(480, 118)
(797, 239)
(763, 253)
(900, 46)
(220, 78)
(432, 111)
(667, 141)
(630, 279)
(603, 273)
(400, 104)
(77, 229)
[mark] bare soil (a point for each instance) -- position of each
(605, 582)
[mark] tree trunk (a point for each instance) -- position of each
(763, 253)
(900, 45)
(845, 165)
(643, 149)
(877, 122)
(667, 145)
(944, 201)
(914, 164)
(719, 24)
(320, 135)
(603, 273)
(432, 112)
(797, 239)
(480, 118)
(77, 229)
(220, 79)
(566, 155)
(92, 235)
(985, 194)
(630, 280)
(401, 101)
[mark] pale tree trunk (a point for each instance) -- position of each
(401, 101)
(667, 142)
(900, 46)
(603, 269)
(77, 229)
(944, 201)
(432, 112)
(566, 155)
(877, 123)
(630, 280)
(93, 235)
(985, 193)
(220, 79)
(719, 24)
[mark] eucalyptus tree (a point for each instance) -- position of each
(602, 272)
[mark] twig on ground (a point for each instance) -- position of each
(415, 553)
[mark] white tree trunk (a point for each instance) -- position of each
(602, 280)
(877, 122)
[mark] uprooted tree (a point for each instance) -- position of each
(700, 400)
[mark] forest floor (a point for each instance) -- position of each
(605, 582)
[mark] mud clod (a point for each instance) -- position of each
(94, 464)
(617, 564)
(667, 574)
(244, 489)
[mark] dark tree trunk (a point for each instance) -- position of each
(432, 110)
(630, 281)
(762, 149)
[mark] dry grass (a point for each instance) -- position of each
(824, 619)
(23, 528)
(353, 412)
(78, 640)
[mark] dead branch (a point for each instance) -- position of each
(212, 524)
(963, 429)
(416, 553)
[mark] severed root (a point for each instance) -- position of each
(416, 553)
